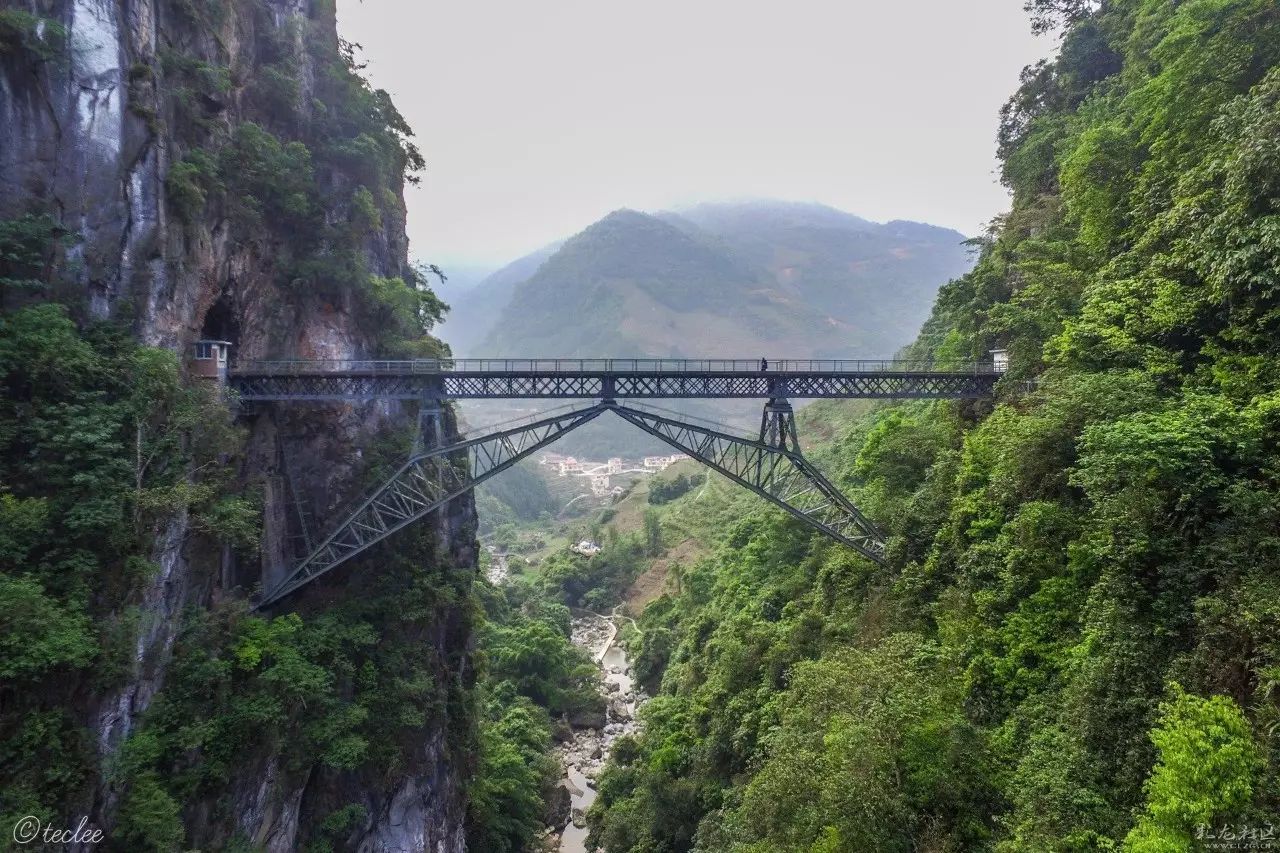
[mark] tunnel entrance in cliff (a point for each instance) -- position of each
(221, 323)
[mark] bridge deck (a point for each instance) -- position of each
(613, 378)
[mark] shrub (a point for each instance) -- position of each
(22, 32)
(149, 817)
(27, 246)
(190, 182)
(269, 180)
(1204, 772)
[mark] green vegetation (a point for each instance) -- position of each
(532, 676)
(190, 182)
(103, 449)
(1206, 767)
(1074, 645)
(99, 443)
(197, 89)
(347, 690)
(664, 490)
(269, 181)
(37, 38)
(519, 495)
(316, 185)
(102, 445)
(27, 246)
(598, 582)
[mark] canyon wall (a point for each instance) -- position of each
(220, 171)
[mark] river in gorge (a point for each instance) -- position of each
(583, 755)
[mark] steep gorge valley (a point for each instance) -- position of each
(1072, 644)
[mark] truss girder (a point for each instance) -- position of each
(774, 470)
(423, 484)
(771, 465)
(499, 384)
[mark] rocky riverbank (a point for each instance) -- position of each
(498, 570)
(585, 752)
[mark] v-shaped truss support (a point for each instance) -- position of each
(431, 478)
(772, 467)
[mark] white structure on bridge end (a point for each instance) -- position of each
(209, 359)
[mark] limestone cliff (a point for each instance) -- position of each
(220, 171)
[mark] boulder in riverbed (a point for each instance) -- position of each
(559, 803)
(562, 730)
(588, 718)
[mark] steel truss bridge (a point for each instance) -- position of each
(441, 467)
(611, 378)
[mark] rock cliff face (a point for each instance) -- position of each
(111, 112)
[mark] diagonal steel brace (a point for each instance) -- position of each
(772, 467)
(426, 482)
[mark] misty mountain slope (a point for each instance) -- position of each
(720, 281)
(879, 279)
(474, 312)
(800, 280)
(760, 215)
(633, 285)
(460, 280)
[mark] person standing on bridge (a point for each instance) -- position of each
(764, 365)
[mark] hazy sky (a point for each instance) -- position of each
(537, 118)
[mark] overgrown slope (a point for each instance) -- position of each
(176, 170)
(1076, 642)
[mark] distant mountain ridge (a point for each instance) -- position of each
(473, 312)
(631, 285)
(774, 278)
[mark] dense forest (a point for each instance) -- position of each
(1075, 644)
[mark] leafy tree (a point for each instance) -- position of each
(1204, 772)
(652, 533)
(1050, 14)
(27, 246)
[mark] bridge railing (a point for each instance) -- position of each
(674, 366)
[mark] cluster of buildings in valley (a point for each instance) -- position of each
(586, 548)
(566, 465)
(600, 472)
